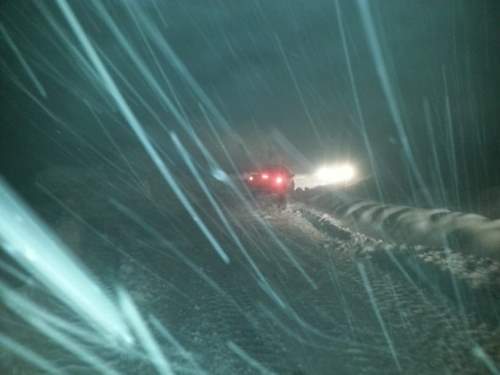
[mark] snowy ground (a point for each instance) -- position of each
(334, 301)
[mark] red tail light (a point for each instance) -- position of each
(265, 176)
(279, 180)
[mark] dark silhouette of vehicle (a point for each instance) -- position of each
(274, 181)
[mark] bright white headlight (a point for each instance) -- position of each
(335, 174)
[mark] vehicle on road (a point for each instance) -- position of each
(275, 181)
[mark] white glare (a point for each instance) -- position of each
(335, 174)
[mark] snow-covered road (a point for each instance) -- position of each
(301, 295)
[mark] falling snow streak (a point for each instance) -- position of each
(378, 314)
(178, 65)
(82, 63)
(28, 355)
(177, 345)
(32, 245)
(450, 137)
(185, 156)
(480, 354)
(247, 205)
(152, 81)
(66, 126)
(200, 94)
(44, 323)
(438, 175)
(298, 90)
(387, 86)
(137, 128)
(248, 359)
(106, 240)
(195, 268)
(145, 336)
(29, 71)
(357, 103)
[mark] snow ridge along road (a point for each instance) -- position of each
(469, 233)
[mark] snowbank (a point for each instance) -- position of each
(467, 232)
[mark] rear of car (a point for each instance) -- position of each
(274, 181)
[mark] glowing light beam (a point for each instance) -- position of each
(32, 245)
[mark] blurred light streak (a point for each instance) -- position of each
(82, 63)
(138, 61)
(437, 165)
(376, 310)
(333, 274)
(480, 354)
(44, 322)
(296, 336)
(357, 103)
(187, 159)
(264, 285)
(187, 126)
(450, 137)
(154, 233)
(23, 62)
(67, 127)
(116, 147)
(16, 273)
(183, 352)
(140, 328)
(244, 356)
(28, 355)
(308, 327)
(136, 126)
(109, 242)
(30, 243)
(72, 346)
(298, 90)
(267, 228)
(184, 73)
(237, 191)
(30, 311)
(380, 66)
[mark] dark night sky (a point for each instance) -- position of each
(266, 65)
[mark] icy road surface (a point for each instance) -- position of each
(333, 301)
